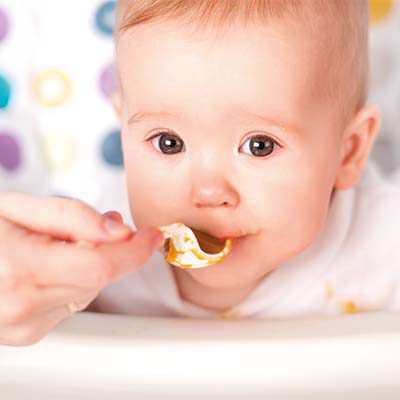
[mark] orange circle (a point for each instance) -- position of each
(379, 10)
(52, 88)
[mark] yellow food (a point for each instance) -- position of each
(183, 248)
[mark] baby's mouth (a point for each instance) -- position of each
(208, 243)
(214, 244)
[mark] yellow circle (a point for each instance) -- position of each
(52, 88)
(59, 151)
(379, 10)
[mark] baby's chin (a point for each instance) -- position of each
(247, 264)
(221, 278)
(240, 268)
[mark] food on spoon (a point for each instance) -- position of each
(189, 248)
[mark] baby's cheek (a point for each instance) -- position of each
(295, 218)
(307, 224)
(153, 201)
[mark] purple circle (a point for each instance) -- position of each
(4, 25)
(10, 153)
(108, 82)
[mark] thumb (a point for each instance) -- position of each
(130, 255)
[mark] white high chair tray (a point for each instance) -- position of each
(122, 357)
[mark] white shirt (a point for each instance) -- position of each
(353, 266)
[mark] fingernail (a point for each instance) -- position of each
(114, 227)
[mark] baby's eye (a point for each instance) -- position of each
(260, 145)
(167, 143)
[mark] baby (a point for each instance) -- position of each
(244, 119)
(249, 120)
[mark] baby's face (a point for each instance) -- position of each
(225, 135)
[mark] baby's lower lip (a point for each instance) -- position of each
(238, 240)
(238, 244)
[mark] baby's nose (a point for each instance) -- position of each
(214, 193)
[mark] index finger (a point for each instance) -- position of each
(59, 217)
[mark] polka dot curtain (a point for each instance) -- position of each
(385, 80)
(58, 132)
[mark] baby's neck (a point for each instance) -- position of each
(212, 299)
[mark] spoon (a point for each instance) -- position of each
(186, 247)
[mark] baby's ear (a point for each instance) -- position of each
(116, 101)
(357, 142)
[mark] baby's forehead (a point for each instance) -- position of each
(336, 73)
(260, 54)
(259, 50)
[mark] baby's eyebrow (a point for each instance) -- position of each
(142, 116)
(272, 121)
(284, 125)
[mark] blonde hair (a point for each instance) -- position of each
(342, 26)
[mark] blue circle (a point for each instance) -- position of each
(105, 17)
(5, 92)
(112, 150)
